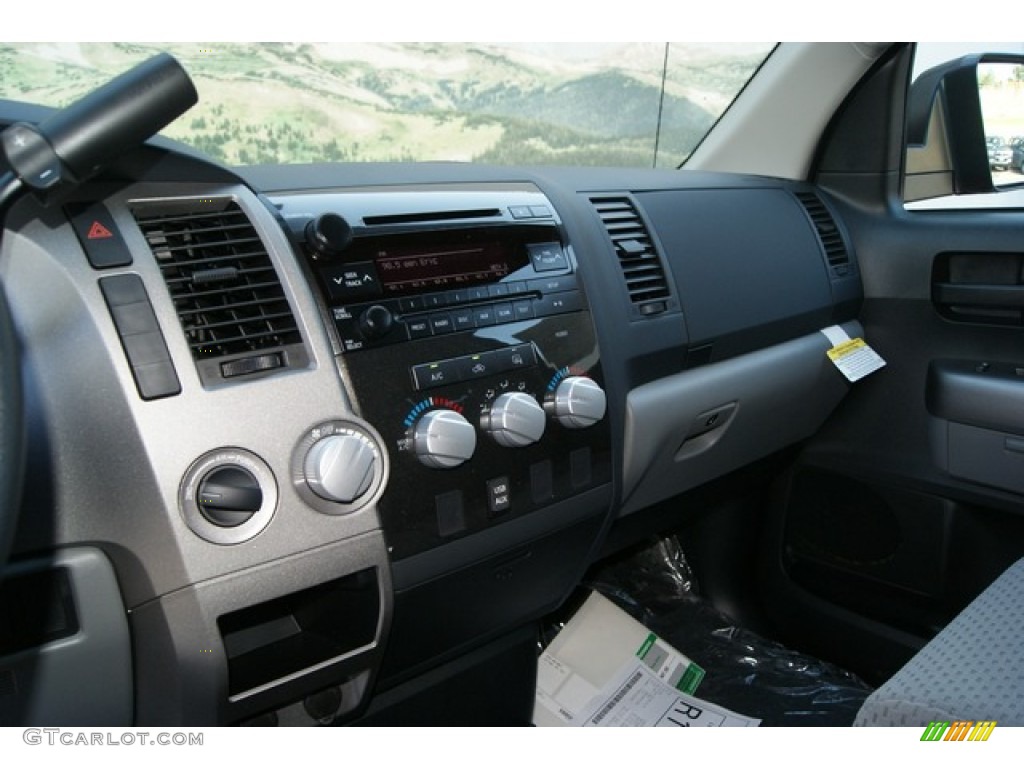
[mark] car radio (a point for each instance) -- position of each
(467, 343)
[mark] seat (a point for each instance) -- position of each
(973, 670)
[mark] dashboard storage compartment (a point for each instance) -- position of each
(273, 640)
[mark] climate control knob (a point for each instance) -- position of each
(341, 467)
(577, 402)
(443, 439)
(515, 420)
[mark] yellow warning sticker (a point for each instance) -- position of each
(855, 359)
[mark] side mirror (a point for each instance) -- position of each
(947, 147)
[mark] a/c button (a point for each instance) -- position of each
(430, 375)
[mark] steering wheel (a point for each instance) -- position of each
(11, 429)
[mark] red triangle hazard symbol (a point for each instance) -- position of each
(98, 232)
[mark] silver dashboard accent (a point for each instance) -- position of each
(190, 489)
(577, 403)
(514, 421)
(444, 439)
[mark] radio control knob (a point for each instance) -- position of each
(515, 420)
(341, 467)
(578, 402)
(376, 321)
(327, 236)
(443, 439)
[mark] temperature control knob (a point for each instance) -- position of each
(578, 402)
(341, 467)
(514, 421)
(443, 439)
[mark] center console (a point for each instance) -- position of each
(465, 338)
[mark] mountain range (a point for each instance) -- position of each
(494, 102)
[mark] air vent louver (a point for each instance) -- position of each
(225, 289)
(641, 265)
(828, 233)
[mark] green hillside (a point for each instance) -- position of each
(411, 101)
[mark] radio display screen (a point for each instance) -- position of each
(409, 268)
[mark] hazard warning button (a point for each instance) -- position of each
(98, 235)
(98, 232)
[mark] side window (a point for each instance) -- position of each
(956, 158)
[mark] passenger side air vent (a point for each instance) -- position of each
(641, 265)
(828, 233)
(225, 289)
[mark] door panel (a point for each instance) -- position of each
(910, 500)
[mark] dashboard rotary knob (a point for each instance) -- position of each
(515, 420)
(341, 467)
(577, 403)
(443, 439)
(376, 321)
(328, 235)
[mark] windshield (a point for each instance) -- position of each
(622, 104)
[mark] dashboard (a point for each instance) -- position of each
(300, 438)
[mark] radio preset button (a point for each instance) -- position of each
(523, 309)
(435, 301)
(483, 316)
(517, 286)
(503, 313)
(411, 304)
(419, 327)
(497, 290)
(441, 324)
(476, 294)
(462, 319)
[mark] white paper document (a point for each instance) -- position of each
(604, 669)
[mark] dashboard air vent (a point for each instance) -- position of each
(641, 265)
(224, 286)
(828, 233)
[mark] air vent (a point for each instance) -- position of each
(641, 265)
(828, 233)
(225, 289)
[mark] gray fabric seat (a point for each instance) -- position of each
(972, 670)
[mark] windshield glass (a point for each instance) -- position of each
(623, 104)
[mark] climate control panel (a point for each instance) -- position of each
(484, 428)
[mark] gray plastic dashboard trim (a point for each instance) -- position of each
(84, 679)
(108, 464)
(782, 394)
(182, 627)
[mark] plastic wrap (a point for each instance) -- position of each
(744, 671)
